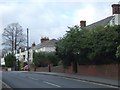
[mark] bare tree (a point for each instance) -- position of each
(13, 37)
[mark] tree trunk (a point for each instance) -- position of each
(18, 65)
(35, 68)
(49, 67)
(75, 66)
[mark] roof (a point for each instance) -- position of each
(37, 46)
(23, 48)
(102, 22)
(50, 43)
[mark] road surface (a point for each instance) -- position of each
(34, 80)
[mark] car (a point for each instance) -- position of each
(26, 68)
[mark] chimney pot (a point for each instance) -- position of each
(33, 45)
(116, 8)
(83, 23)
(44, 39)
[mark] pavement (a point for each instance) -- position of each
(99, 80)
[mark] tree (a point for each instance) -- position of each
(95, 46)
(67, 47)
(45, 58)
(52, 58)
(13, 37)
(4, 51)
(9, 60)
(42, 59)
(104, 44)
(39, 59)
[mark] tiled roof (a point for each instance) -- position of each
(22, 48)
(50, 43)
(37, 46)
(102, 22)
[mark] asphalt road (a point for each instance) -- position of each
(33, 80)
(0, 79)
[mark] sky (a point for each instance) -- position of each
(50, 18)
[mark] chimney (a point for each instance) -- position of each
(83, 24)
(44, 39)
(116, 8)
(33, 45)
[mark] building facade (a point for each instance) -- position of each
(45, 45)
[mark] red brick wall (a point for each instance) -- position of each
(40, 69)
(46, 69)
(69, 70)
(109, 71)
(58, 69)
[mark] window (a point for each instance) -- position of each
(24, 56)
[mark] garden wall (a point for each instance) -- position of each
(105, 71)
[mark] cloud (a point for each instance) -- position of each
(4, 9)
(86, 13)
(51, 18)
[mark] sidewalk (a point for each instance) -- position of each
(84, 78)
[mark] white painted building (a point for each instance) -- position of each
(2, 61)
(45, 45)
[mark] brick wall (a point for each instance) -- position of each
(58, 69)
(105, 71)
(69, 70)
(42, 69)
(109, 71)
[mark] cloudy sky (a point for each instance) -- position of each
(50, 18)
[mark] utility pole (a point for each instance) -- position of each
(28, 48)
(15, 48)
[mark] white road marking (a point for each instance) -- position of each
(6, 86)
(94, 83)
(52, 84)
(32, 78)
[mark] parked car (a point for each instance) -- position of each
(26, 68)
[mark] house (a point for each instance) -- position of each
(45, 45)
(2, 61)
(111, 20)
(22, 54)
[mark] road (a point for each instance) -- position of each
(34, 80)
(0, 79)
